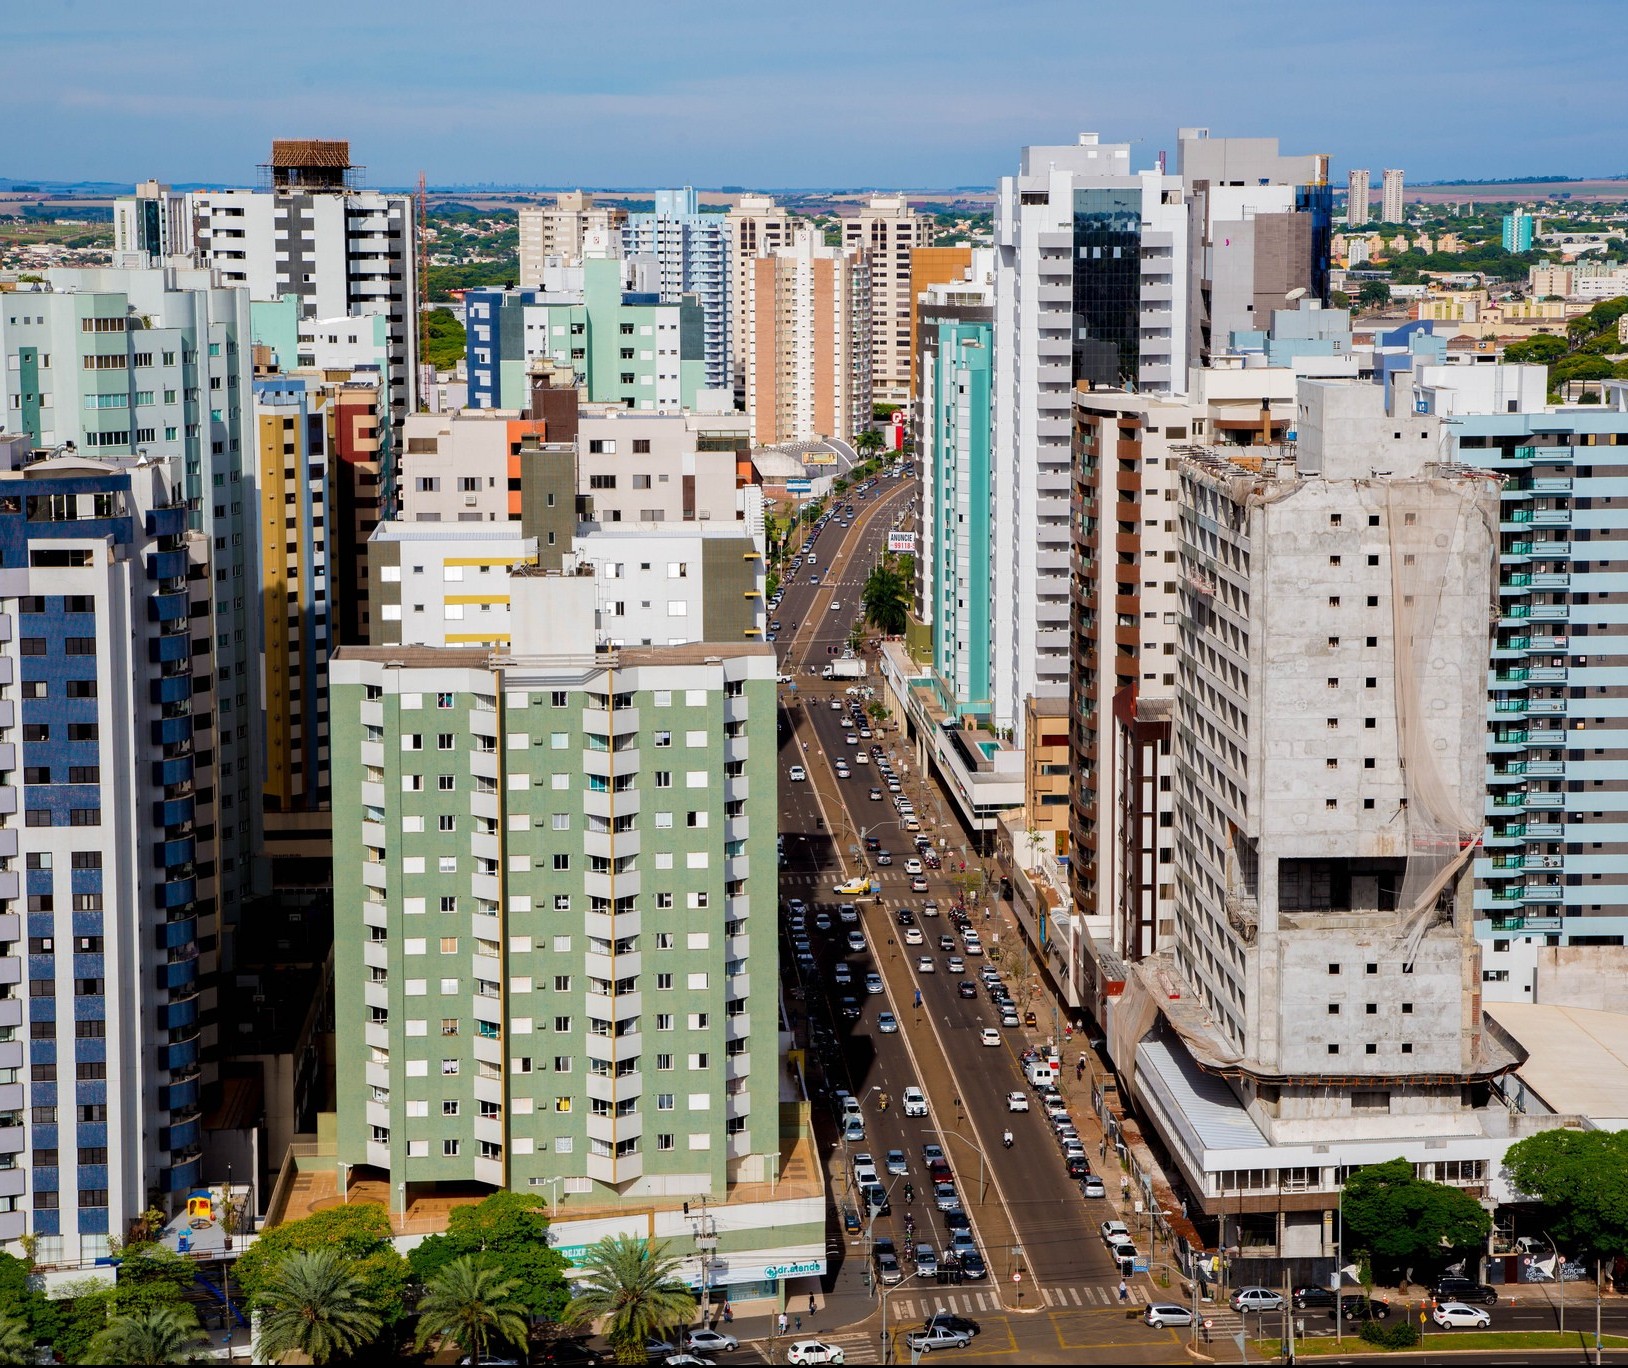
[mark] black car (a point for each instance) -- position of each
(1313, 1296)
(972, 1264)
(967, 989)
(1077, 1166)
(956, 1220)
(876, 1199)
(850, 1008)
(959, 1324)
(1463, 1290)
(906, 917)
(1363, 1308)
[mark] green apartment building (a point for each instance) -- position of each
(556, 949)
(626, 347)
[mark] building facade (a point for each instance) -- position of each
(569, 230)
(151, 226)
(113, 863)
(518, 846)
(1391, 187)
(889, 232)
(692, 254)
(756, 226)
(1358, 203)
(625, 346)
(342, 250)
(808, 351)
(1517, 231)
(156, 362)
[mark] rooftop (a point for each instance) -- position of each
(1577, 1059)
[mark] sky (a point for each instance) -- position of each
(908, 94)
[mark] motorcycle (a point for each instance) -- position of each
(1006, 1139)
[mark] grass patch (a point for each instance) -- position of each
(1482, 1341)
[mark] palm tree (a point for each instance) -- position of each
(633, 1286)
(469, 1303)
(16, 1341)
(867, 439)
(156, 1334)
(886, 598)
(313, 1304)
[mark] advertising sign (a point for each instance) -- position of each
(799, 486)
(902, 541)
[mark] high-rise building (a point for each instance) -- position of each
(1390, 196)
(569, 230)
(1518, 231)
(1260, 228)
(1320, 1005)
(101, 587)
(692, 255)
(291, 432)
(627, 346)
(315, 234)
(808, 348)
(757, 226)
(1089, 288)
(930, 266)
(1357, 202)
(156, 362)
(151, 226)
(1549, 920)
(954, 423)
(498, 1023)
(889, 231)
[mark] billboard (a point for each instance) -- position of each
(799, 486)
(902, 541)
(817, 458)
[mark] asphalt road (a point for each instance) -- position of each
(1028, 1217)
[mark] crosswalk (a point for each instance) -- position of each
(967, 1303)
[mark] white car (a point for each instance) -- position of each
(1456, 1314)
(797, 774)
(989, 1036)
(914, 1101)
(1161, 1314)
(812, 1351)
(1114, 1232)
(912, 866)
(912, 935)
(1017, 1101)
(796, 906)
(1258, 1299)
(926, 965)
(835, 605)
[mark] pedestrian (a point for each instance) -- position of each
(782, 1322)
(1079, 1070)
(799, 1319)
(811, 1306)
(1124, 1292)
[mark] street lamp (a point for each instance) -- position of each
(553, 1184)
(1560, 1274)
(983, 1186)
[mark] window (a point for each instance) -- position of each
(449, 1149)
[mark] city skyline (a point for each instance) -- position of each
(636, 112)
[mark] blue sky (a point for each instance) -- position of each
(907, 93)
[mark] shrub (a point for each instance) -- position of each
(1400, 1334)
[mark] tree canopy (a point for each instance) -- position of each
(508, 1232)
(443, 339)
(886, 597)
(1400, 1220)
(312, 1304)
(632, 1286)
(361, 1234)
(473, 1305)
(1581, 1178)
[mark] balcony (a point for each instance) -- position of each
(1545, 893)
(1546, 800)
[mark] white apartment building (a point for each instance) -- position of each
(887, 230)
(565, 232)
(1391, 188)
(756, 226)
(342, 250)
(1357, 203)
(1089, 287)
(151, 226)
(692, 255)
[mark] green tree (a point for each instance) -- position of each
(443, 339)
(20, 1300)
(867, 440)
(1542, 350)
(471, 1304)
(1339, 299)
(1374, 294)
(1400, 1220)
(507, 1232)
(360, 1232)
(312, 1304)
(16, 1340)
(1581, 1178)
(632, 1286)
(886, 598)
(158, 1334)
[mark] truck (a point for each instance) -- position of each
(844, 669)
